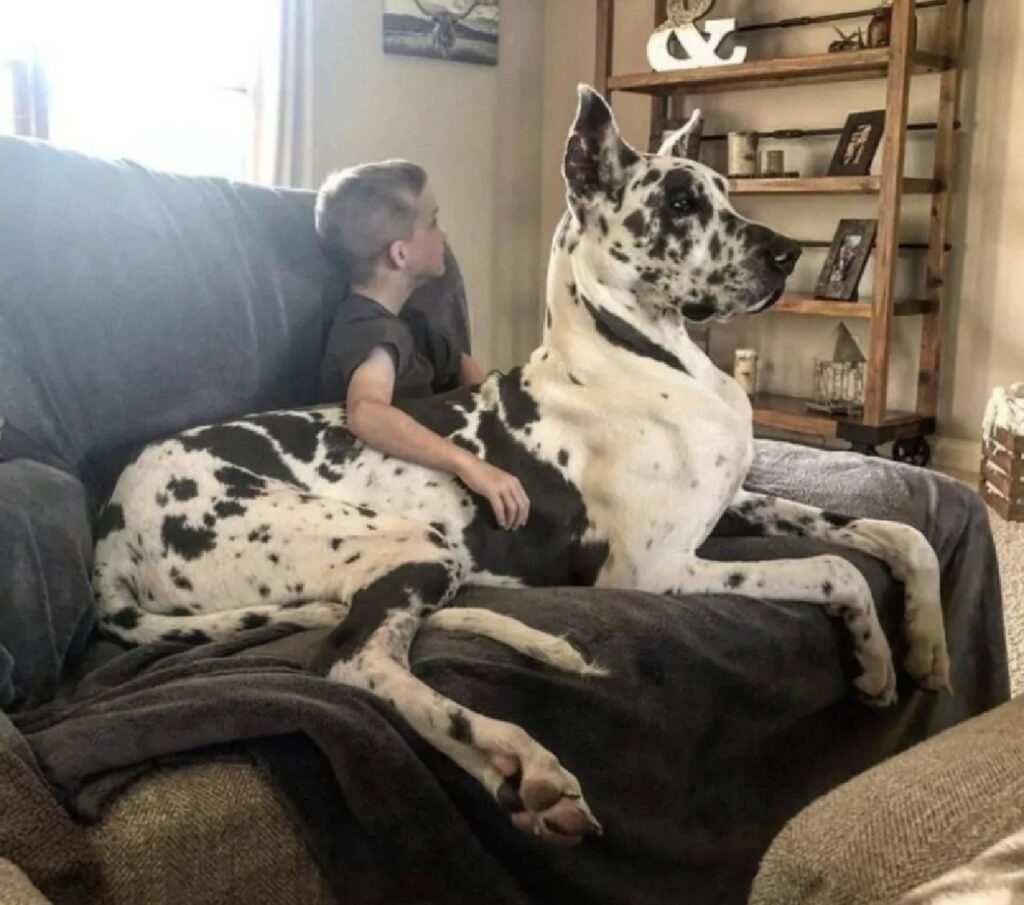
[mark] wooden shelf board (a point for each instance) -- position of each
(806, 70)
(805, 304)
(790, 413)
(826, 185)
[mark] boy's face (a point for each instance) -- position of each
(424, 251)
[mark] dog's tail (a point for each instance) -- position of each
(550, 649)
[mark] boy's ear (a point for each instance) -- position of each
(596, 157)
(397, 255)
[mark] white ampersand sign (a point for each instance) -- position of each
(700, 50)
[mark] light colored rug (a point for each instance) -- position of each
(1010, 549)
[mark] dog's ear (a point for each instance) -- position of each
(677, 144)
(596, 157)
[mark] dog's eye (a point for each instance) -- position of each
(680, 204)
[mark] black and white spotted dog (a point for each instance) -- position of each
(630, 444)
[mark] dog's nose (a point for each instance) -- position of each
(782, 254)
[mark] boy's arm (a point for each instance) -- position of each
(470, 372)
(375, 421)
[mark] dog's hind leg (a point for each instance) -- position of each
(371, 651)
(904, 549)
(550, 649)
(826, 581)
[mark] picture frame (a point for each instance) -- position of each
(459, 31)
(846, 259)
(858, 144)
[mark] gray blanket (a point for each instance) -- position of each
(722, 718)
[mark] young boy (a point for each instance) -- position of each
(380, 220)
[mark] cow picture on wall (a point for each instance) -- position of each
(464, 31)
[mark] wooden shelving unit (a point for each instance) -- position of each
(805, 304)
(896, 64)
(826, 185)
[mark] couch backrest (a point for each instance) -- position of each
(135, 303)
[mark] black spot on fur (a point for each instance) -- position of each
(179, 611)
(836, 520)
(162, 499)
(228, 508)
(459, 727)
(242, 447)
(127, 618)
(619, 256)
(296, 434)
(735, 580)
(636, 223)
(715, 247)
(264, 590)
(183, 488)
(191, 636)
(355, 557)
(253, 620)
(336, 542)
(827, 588)
(651, 177)
(240, 484)
(429, 581)
(563, 457)
(189, 543)
(520, 406)
(180, 581)
(110, 520)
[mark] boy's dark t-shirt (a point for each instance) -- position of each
(426, 359)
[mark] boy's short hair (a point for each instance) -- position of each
(361, 210)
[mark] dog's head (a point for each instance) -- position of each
(662, 227)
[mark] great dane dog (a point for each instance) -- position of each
(629, 442)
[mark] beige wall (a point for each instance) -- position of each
(476, 129)
(983, 345)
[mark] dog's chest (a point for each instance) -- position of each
(652, 467)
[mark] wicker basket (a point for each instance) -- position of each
(1002, 474)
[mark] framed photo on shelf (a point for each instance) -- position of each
(858, 144)
(847, 257)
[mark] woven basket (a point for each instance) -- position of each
(1002, 474)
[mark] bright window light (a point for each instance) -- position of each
(165, 82)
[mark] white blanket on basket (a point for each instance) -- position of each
(1005, 409)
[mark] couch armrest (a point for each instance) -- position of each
(16, 888)
(906, 821)
(46, 608)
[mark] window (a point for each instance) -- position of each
(168, 83)
(7, 124)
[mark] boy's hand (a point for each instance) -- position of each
(503, 491)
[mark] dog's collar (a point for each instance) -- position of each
(619, 333)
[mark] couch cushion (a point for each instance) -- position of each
(46, 609)
(206, 834)
(904, 822)
(135, 303)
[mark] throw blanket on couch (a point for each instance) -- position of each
(721, 719)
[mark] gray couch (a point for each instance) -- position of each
(134, 304)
